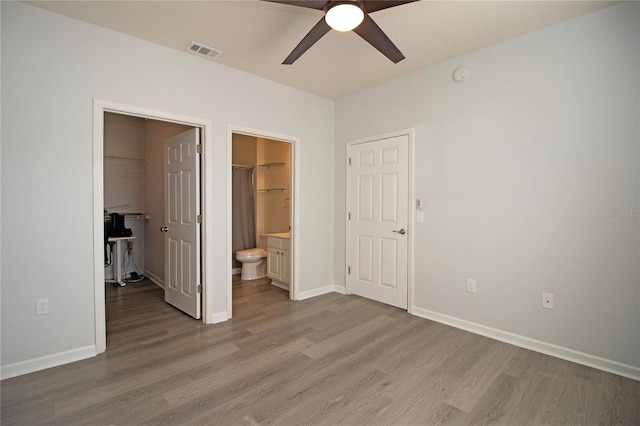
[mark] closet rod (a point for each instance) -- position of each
(242, 166)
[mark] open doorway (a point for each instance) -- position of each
(137, 179)
(151, 204)
(134, 188)
(262, 210)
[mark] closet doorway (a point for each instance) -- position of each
(261, 208)
(134, 188)
(129, 178)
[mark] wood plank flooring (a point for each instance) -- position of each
(330, 360)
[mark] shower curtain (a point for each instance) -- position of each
(243, 225)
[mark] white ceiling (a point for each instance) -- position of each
(256, 36)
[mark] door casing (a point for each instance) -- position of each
(101, 106)
(411, 208)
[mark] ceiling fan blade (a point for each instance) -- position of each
(375, 5)
(316, 33)
(373, 34)
(309, 4)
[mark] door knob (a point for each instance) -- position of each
(401, 232)
(164, 229)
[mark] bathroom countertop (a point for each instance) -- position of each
(279, 235)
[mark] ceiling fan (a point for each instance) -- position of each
(347, 15)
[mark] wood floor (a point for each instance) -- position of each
(330, 360)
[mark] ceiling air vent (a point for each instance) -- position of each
(203, 50)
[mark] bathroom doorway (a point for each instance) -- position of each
(262, 209)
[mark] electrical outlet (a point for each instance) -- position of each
(547, 300)
(471, 285)
(42, 306)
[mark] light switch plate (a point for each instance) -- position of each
(471, 285)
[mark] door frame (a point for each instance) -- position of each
(100, 107)
(293, 213)
(411, 208)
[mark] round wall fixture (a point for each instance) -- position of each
(461, 74)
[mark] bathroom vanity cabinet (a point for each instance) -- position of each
(279, 260)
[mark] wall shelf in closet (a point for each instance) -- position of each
(136, 216)
(107, 216)
(118, 157)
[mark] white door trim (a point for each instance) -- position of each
(101, 106)
(410, 133)
(294, 141)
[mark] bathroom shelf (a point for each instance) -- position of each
(270, 189)
(270, 165)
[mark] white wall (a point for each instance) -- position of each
(523, 171)
(47, 93)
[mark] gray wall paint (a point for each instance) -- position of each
(47, 162)
(522, 172)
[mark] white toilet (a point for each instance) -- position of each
(254, 263)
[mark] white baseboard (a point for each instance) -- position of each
(218, 317)
(278, 284)
(47, 361)
(320, 291)
(339, 289)
(157, 281)
(236, 271)
(604, 364)
(213, 319)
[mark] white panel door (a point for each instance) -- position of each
(182, 238)
(378, 209)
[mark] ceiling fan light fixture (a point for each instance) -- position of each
(344, 16)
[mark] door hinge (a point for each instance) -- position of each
(349, 270)
(199, 218)
(349, 160)
(199, 149)
(349, 215)
(199, 288)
